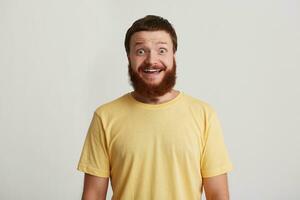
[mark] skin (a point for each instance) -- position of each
(154, 48)
(216, 187)
(95, 188)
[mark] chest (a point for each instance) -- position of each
(149, 137)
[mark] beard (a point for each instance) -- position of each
(153, 90)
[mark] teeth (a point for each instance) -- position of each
(151, 70)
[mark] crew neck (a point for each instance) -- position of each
(155, 106)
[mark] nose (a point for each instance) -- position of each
(151, 58)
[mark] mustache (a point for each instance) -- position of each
(149, 66)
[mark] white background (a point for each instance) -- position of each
(60, 59)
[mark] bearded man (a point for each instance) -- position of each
(154, 143)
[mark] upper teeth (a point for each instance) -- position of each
(151, 70)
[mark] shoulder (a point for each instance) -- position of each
(115, 106)
(198, 105)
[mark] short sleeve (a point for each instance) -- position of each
(215, 160)
(94, 157)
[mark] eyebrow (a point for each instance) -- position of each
(138, 43)
(161, 43)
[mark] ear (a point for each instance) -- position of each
(128, 57)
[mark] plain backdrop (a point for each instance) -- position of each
(60, 59)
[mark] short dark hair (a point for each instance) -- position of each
(151, 23)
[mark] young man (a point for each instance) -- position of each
(155, 143)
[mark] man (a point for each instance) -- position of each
(155, 143)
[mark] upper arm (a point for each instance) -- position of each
(216, 187)
(95, 188)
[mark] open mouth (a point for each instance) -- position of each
(152, 71)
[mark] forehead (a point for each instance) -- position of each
(151, 36)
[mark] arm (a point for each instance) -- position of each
(95, 188)
(216, 188)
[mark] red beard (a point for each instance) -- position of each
(149, 90)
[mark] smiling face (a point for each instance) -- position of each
(152, 66)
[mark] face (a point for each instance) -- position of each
(152, 66)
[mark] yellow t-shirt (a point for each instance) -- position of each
(155, 151)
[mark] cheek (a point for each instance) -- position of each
(135, 66)
(169, 62)
(135, 63)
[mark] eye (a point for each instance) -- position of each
(140, 52)
(162, 51)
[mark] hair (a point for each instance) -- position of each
(151, 23)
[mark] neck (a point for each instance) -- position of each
(156, 100)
